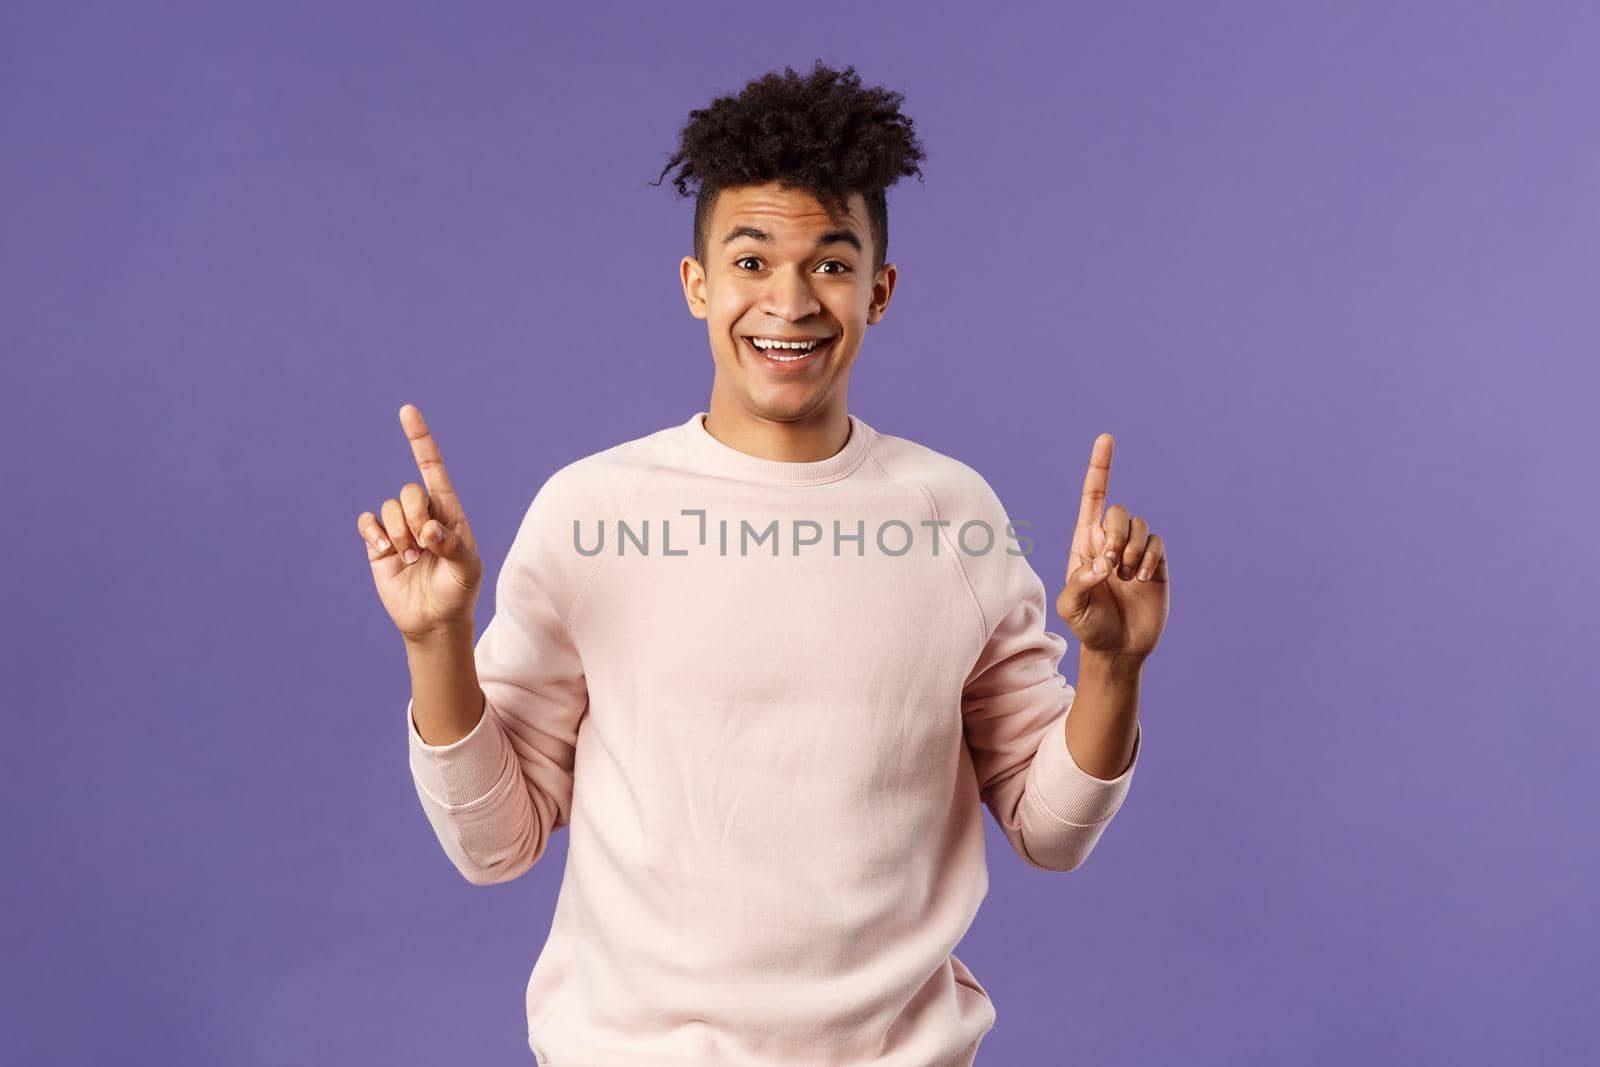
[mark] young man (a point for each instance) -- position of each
(766, 663)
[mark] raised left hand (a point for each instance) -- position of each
(1108, 613)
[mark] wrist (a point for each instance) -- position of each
(439, 639)
(1111, 666)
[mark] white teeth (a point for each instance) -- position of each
(764, 344)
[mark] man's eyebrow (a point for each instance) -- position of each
(831, 237)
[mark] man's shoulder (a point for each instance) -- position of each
(987, 540)
(957, 488)
(598, 484)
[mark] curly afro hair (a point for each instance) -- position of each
(821, 132)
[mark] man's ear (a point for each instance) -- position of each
(882, 289)
(694, 286)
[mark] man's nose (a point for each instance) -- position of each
(789, 296)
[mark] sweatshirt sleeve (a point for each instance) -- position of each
(494, 796)
(1014, 706)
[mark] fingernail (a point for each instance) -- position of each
(412, 555)
(1099, 566)
(435, 535)
(1144, 576)
(1125, 573)
(383, 545)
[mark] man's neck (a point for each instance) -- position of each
(807, 441)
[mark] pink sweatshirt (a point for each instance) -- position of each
(770, 746)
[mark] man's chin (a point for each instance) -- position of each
(785, 404)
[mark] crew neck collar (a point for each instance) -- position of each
(728, 460)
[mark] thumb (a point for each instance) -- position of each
(441, 540)
(1085, 578)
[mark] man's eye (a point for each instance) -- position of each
(844, 268)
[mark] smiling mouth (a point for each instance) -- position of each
(787, 358)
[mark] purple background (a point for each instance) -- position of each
(1328, 274)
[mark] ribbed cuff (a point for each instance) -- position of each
(466, 770)
(1067, 791)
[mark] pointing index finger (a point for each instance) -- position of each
(1095, 482)
(430, 463)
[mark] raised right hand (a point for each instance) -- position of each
(437, 591)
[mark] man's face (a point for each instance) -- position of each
(778, 268)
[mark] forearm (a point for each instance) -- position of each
(446, 700)
(1105, 713)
